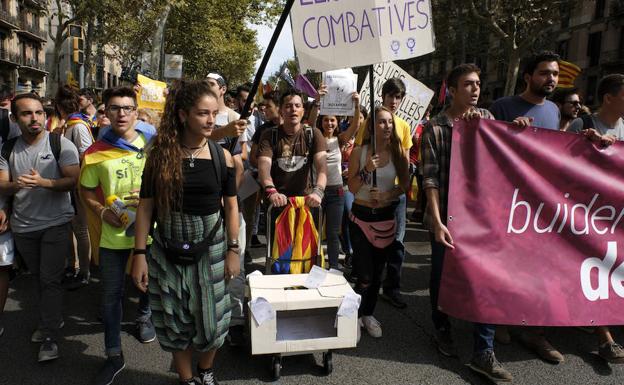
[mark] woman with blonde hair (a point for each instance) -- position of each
(186, 178)
(373, 223)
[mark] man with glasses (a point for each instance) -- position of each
(38, 169)
(114, 165)
(569, 103)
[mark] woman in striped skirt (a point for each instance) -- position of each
(189, 189)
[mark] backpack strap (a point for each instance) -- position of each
(5, 125)
(55, 145)
(7, 149)
(587, 122)
(218, 161)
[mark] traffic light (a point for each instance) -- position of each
(78, 50)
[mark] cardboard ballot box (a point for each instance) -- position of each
(294, 319)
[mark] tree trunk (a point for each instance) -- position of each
(512, 71)
(158, 43)
(55, 74)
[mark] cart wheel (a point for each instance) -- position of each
(277, 367)
(328, 363)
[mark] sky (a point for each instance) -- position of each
(283, 49)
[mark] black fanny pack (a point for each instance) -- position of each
(187, 253)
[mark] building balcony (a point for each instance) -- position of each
(36, 4)
(32, 31)
(614, 57)
(9, 57)
(33, 64)
(7, 20)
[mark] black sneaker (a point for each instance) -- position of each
(48, 350)
(395, 300)
(236, 335)
(206, 377)
(79, 281)
(255, 242)
(145, 331)
(347, 261)
(444, 342)
(37, 336)
(111, 368)
(486, 363)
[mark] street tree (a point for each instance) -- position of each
(518, 25)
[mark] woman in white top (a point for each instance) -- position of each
(373, 223)
(333, 200)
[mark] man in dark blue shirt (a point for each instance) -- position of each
(530, 108)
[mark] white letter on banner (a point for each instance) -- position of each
(616, 280)
(604, 267)
(510, 227)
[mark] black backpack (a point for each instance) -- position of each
(55, 146)
(587, 122)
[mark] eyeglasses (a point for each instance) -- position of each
(126, 109)
(574, 103)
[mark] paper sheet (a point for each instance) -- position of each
(254, 273)
(249, 186)
(315, 277)
(261, 310)
(350, 305)
(335, 271)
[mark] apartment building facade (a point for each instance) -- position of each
(22, 45)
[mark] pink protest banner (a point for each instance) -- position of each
(537, 218)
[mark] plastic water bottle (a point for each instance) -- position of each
(122, 211)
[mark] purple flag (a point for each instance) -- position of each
(304, 85)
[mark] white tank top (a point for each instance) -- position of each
(386, 176)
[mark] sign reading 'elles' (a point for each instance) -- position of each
(349, 33)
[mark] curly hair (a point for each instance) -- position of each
(163, 169)
(67, 100)
(396, 150)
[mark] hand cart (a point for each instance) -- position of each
(276, 359)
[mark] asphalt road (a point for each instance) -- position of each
(404, 355)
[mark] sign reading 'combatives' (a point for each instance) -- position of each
(331, 34)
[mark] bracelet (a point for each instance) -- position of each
(235, 250)
(318, 190)
(139, 251)
(102, 213)
(269, 187)
(270, 192)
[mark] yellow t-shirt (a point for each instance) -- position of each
(402, 129)
(116, 177)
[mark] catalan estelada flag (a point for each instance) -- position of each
(296, 240)
(568, 73)
(80, 118)
(109, 147)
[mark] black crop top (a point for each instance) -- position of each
(201, 195)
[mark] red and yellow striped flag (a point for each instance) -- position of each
(567, 74)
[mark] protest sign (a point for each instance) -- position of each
(338, 101)
(417, 96)
(348, 33)
(151, 94)
(537, 221)
(173, 66)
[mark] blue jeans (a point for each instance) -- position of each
(333, 205)
(483, 333)
(113, 267)
(346, 238)
(392, 283)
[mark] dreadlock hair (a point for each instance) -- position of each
(163, 169)
(396, 150)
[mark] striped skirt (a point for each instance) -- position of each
(190, 304)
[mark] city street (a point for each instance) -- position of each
(405, 354)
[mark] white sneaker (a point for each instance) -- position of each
(372, 326)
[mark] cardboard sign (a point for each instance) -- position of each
(173, 66)
(341, 84)
(537, 220)
(348, 33)
(151, 94)
(417, 96)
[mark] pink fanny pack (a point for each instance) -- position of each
(380, 234)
